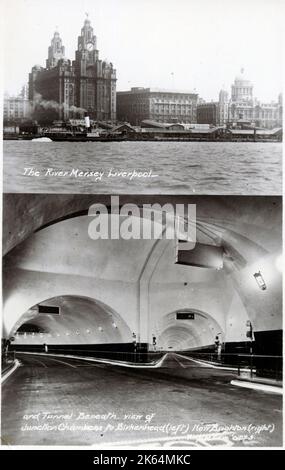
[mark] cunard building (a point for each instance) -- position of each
(67, 89)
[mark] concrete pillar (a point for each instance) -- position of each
(144, 335)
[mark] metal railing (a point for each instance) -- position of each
(263, 366)
(254, 365)
(251, 365)
(7, 360)
(136, 356)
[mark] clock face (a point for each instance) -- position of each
(89, 46)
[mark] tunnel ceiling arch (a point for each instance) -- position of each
(26, 214)
(80, 320)
(178, 338)
(198, 331)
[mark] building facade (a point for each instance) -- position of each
(139, 104)
(17, 108)
(241, 107)
(207, 113)
(67, 89)
(214, 113)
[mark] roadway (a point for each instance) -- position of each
(62, 401)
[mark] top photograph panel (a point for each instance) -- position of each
(145, 97)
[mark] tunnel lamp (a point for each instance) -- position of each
(249, 330)
(259, 280)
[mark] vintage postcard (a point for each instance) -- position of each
(142, 225)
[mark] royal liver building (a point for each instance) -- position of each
(67, 89)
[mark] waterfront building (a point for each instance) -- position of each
(207, 113)
(242, 108)
(223, 109)
(140, 104)
(67, 89)
(16, 108)
(214, 113)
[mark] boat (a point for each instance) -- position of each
(41, 139)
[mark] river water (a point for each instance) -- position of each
(166, 167)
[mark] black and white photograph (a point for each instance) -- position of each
(142, 202)
(126, 339)
(153, 97)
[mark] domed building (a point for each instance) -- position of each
(242, 109)
(242, 89)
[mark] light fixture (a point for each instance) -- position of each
(249, 330)
(259, 280)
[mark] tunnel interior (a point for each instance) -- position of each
(179, 334)
(80, 320)
(128, 291)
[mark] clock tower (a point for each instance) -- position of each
(87, 44)
(95, 79)
(55, 51)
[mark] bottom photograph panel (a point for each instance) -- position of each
(142, 321)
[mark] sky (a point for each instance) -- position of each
(196, 45)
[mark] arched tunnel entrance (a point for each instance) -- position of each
(188, 329)
(73, 324)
